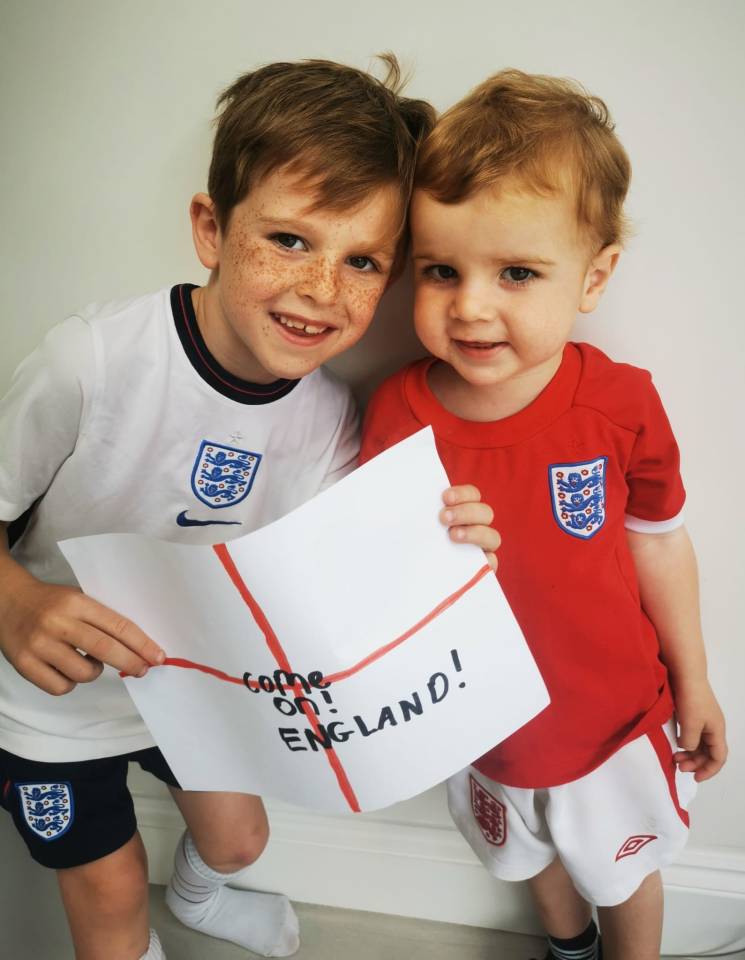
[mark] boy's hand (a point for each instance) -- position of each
(468, 519)
(44, 627)
(701, 739)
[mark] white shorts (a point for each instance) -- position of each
(611, 828)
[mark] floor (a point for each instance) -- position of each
(32, 925)
(331, 934)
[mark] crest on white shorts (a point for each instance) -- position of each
(578, 496)
(490, 813)
(223, 476)
(47, 808)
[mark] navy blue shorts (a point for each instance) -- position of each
(73, 813)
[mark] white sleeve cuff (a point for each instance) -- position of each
(653, 526)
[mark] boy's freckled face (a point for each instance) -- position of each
(499, 280)
(295, 286)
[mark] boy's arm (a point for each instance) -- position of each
(44, 628)
(668, 587)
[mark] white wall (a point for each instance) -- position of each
(104, 112)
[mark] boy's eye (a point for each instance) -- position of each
(518, 275)
(289, 241)
(440, 271)
(363, 263)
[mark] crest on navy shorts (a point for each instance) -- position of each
(223, 476)
(490, 813)
(578, 496)
(47, 808)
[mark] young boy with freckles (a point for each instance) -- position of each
(196, 414)
(517, 224)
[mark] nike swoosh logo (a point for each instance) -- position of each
(183, 521)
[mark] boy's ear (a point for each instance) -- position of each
(205, 230)
(598, 274)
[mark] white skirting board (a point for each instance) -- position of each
(424, 871)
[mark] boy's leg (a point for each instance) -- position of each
(566, 916)
(632, 930)
(507, 830)
(230, 830)
(563, 912)
(106, 902)
(226, 833)
(614, 828)
(78, 819)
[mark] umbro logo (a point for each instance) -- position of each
(634, 845)
(183, 521)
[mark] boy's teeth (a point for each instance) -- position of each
(297, 325)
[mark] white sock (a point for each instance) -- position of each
(262, 922)
(154, 950)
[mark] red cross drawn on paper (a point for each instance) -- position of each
(275, 648)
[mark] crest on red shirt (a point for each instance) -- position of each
(578, 496)
(490, 813)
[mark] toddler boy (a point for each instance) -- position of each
(194, 415)
(517, 224)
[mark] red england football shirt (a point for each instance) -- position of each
(592, 454)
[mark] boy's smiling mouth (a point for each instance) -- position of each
(480, 347)
(295, 326)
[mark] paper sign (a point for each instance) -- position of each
(345, 657)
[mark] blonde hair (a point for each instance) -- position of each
(546, 133)
(344, 130)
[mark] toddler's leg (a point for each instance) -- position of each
(633, 929)
(226, 833)
(107, 905)
(563, 912)
(566, 916)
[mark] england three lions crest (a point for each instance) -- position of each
(489, 813)
(223, 476)
(578, 496)
(47, 808)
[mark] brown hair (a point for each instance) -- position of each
(547, 133)
(341, 128)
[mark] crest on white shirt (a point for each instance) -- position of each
(223, 476)
(47, 808)
(578, 496)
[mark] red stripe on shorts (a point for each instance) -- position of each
(662, 748)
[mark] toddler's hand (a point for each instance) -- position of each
(468, 519)
(702, 738)
(44, 628)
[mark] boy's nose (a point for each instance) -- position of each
(319, 282)
(474, 303)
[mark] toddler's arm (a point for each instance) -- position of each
(668, 586)
(468, 519)
(44, 626)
